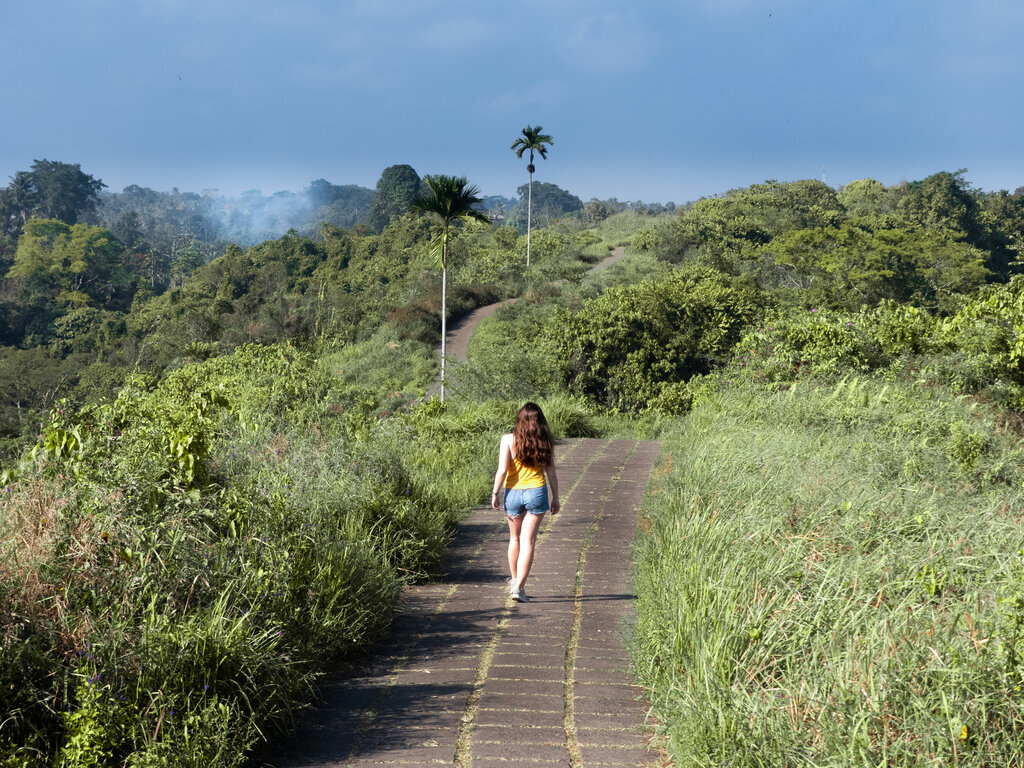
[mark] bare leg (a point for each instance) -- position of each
(515, 525)
(527, 539)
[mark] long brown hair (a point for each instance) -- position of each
(531, 438)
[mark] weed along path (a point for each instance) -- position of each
(472, 679)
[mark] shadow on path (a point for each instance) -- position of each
(469, 677)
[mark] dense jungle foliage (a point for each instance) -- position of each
(218, 476)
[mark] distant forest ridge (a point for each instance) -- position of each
(209, 220)
(97, 285)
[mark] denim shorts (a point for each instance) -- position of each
(520, 500)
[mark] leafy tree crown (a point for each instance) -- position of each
(532, 140)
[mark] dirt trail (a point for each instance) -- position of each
(457, 340)
(470, 678)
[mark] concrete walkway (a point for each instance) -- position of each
(470, 678)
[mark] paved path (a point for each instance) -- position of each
(472, 679)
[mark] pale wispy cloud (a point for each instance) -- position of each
(609, 42)
(544, 96)
(460, 36)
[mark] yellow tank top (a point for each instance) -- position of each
(520, 476)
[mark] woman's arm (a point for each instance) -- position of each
(553, 482)
(504, 457)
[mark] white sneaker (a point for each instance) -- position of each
(520, 595)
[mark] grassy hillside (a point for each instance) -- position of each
(830, 574)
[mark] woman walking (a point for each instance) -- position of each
(524, 458)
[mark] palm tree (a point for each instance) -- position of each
(452, 201)
(532, 139)
(22, 195)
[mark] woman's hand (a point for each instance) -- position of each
(555, 507)
(504, 459)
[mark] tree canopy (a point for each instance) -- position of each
(549, 202)
(49, 190)
(397, 187)
(69, 265)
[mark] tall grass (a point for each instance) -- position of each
(633, 269)
(384, 363)
(820, 580)
(511, 356)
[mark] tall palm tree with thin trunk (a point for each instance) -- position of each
(532, 140)
(451, 199)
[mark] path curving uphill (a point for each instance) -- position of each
(457, 340)
(470, 678)
(460, 332)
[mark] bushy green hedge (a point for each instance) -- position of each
(988, 334)
(794, 343)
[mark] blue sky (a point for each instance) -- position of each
(645, 100)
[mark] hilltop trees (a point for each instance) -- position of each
(552, 202)
(397, 187)
(941, 201)
(336, 205)
(451, 200)
(720, 230)
(17, 202)
(926, 241)
(50, 190)
(534, 141)
(864, 262)
(868, 197)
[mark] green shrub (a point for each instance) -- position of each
(987, 336)
(648, 239)
(623, 347)
(384, 364)
(570, 417)
(794, 343)
(420, 320)
(965, 446)
(898, 329)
